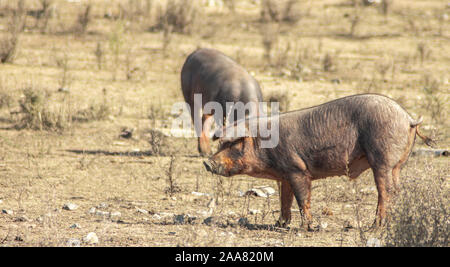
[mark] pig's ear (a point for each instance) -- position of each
(231, 139)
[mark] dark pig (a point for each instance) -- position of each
(217, 78)
(342, 137)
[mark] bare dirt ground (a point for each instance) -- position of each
(121, 69)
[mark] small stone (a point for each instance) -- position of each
(141, 211)
(373, 242)
(336, 81)
(166, 214)
(70, 206)
(243, 221)
(178, 219)
(199, 194)
(102, 213)
(75, 226)
(73, 242)
(208, 221)
(191, 219)
(9, 212)
(323, 225)
(63, 90)
(115, 215)
(348, 225)
(102, 205)
(91, 238)
(253, 212)
(156, 217)
(92, 210)
(22, 219)
(261, 191)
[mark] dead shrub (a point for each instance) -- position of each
(419, 217)
(171, 173)
(270, 35)
(9, 40)
(8, 44)
(282, 97)
(83, 20)
(327, 62)
(280, 11)
(157, 141)
(42, 15)
(36, 114)
(94, 112)
(180, 15)
(385, 6)
(434, 100)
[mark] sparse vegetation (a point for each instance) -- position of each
(421, 211)
(280, 11)
(83, 20)
(10, 39)
(179, 15)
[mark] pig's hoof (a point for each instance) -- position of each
(281, 224)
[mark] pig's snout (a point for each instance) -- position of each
(208, 165)
(213, 167)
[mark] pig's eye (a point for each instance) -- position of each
(236, 149)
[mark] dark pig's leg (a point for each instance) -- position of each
(286, 198)
(301, 186)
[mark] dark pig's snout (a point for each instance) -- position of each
(208, 165)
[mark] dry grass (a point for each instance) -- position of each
(68, 148)
(420, 216)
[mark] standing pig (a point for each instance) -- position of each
(342, 137)
(217, 78)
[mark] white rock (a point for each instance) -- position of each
(166, 214)
(115, 215)
(141, 211)
(373, 242)
(102, 205)
(261, 191)
(200, 194)
(91, 238)
(70, 206)
(102, 213)
(92, 210)
(9, 212)
(253, 212)
(73, 242)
